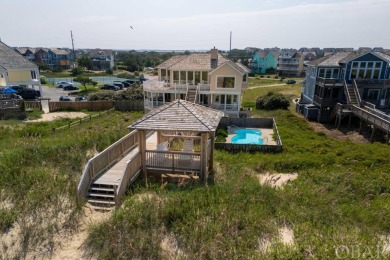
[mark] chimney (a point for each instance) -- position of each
(214, 58)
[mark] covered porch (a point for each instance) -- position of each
(177, 138)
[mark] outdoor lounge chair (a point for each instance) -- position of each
(185, 159)
(164, 146)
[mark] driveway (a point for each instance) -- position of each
(53, 94)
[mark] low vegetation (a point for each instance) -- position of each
(272, 101)
(131, 93)
(38, 175)
(339, 199)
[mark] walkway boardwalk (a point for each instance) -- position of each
(113, 175)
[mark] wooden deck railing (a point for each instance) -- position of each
(379, 120)
(104, 160)
(173, 161)
(130, 173)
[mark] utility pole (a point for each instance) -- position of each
(230, 50)
(74, 54)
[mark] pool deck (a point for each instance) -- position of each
(266, 134)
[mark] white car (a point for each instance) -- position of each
(62, 84)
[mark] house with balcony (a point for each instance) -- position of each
(348, 83)
(263, 61)
(16, 69)
(208, 79)
(290, 63)
(63, 59)
(45, 56)
(101, 59)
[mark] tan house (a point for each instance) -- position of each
(16, 69)
(207, 79)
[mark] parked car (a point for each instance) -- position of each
(291, 81)
(28, 93)
(17, 87)
(118, 84)
(131, 81)
(65, 98)
(80, 98)
(110, 87)
(62, 84)
(70, 87)
(142, 79)
(125, 84)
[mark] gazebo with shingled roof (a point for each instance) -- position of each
(178, 138)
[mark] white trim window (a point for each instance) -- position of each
(365, 70)
(245, 78)
(226, 82)
(1, 75)
(33, 74)
(328, 73)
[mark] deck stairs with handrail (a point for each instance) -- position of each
(108, 174)
(191, 94)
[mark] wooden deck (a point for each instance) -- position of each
(113, 175)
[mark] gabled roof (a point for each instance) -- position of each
(170, 62)
(261, 54)
(357, 54)
(332, 60)
(241, 67)
(180, 115)
(197, 61)
(59, 51)
(11, 59)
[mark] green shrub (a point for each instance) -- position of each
(222, 132)
(7, 218)
(268, 76)
(43, 80)
(262, 76)
(109, 71)
(276, 77)
(272, 101)
(220, 139)
(133, 93)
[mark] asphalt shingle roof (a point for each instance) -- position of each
(11, 59)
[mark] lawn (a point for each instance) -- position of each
(340, 199)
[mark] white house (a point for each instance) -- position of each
(208, 79)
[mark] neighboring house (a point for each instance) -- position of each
(290, 63)
(358, 79)
(16, 69)
(208, 79)
(29, 53)
(45, 56)
(101, 59)
(63, 59)
(263, 61)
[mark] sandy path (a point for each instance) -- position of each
(58, 115)
(72, 245)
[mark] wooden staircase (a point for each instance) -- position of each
(353, 99)
(191, 94)
(101, 195)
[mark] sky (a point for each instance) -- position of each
(195, 24)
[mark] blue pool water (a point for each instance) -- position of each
(247, 136)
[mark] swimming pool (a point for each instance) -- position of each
(247, 136)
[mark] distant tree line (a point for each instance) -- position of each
(136, 61)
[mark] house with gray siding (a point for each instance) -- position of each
(360, 80)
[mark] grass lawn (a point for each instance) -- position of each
(341, 198)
